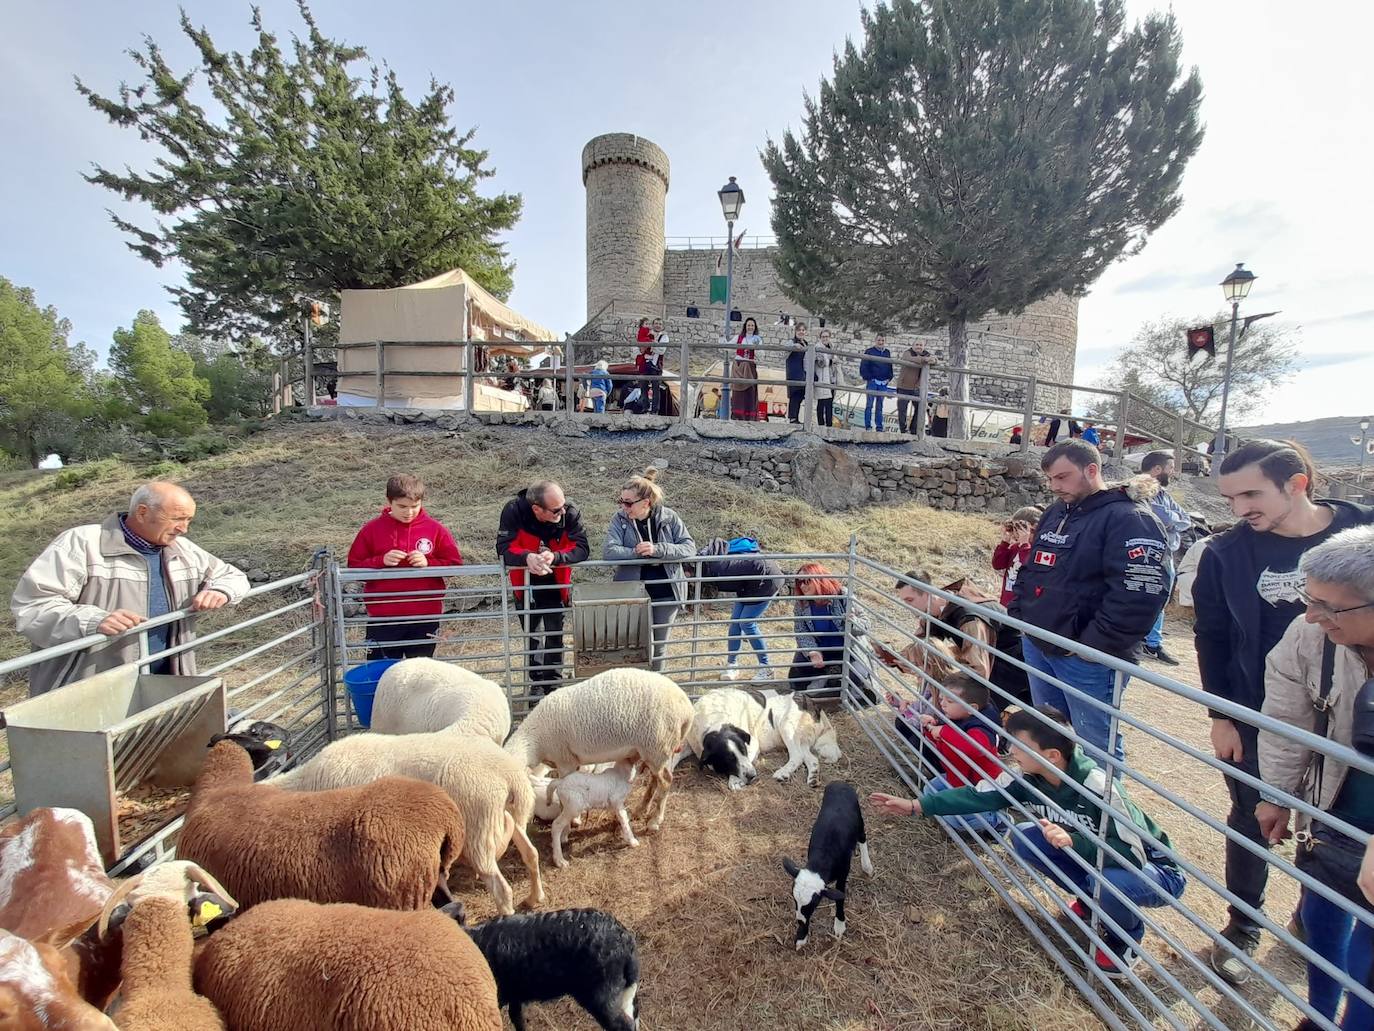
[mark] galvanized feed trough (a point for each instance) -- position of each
(82, 745)
(612, 626)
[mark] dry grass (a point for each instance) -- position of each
(927, 945)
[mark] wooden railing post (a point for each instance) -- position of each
(380, 375)
(469, 375)
(1180, 435)
(569, 382)
(1028, 416)
(1123, 422)
(923, 386)
(809, 418)
(308, 361)
(685, 404)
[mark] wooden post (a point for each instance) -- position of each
(469, 374)
(569, 357)
(1180, 432)
(809, 417)
(685, 405)
(380, 375)
(1123, 422)
(1028, 416)
(923, 385)
(308, 357)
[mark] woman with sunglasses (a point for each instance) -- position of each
(642, 528)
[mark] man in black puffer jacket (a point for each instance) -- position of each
(1096, 575)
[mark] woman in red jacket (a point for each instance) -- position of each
(1013, 550)
(404, 534)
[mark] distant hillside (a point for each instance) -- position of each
(1327, 439)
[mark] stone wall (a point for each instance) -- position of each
(626, 180)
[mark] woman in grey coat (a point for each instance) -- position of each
(641, 529)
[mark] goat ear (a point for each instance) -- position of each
(833, 895)
(792, 868)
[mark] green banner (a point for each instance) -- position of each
(717, 290)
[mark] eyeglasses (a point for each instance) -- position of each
(553, 511)
(1321, 608)
(630, 504)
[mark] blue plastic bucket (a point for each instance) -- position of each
(361, 682)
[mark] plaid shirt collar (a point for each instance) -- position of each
(134, 540)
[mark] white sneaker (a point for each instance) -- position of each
(764, 674)
(732, 673)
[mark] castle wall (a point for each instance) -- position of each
(626, 180)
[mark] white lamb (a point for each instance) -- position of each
(581, 791)
(417, 696)
(731, 728)
(490, 787)
(618, 714)
(546, 804)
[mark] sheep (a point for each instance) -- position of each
(292, 965)
(583, 953)
(839, 827)
(732, 727)
(267, 744)
(36, 992)
(416, 696)
(157, 993)
(390, 844)
(490, 789)
(578, 792)
(52, 881)
(618, 714)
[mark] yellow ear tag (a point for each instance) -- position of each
(208, 912)
(273, 744)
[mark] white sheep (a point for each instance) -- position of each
(581, 791)
(618, 714)
(490, 787)
(731, 728)
(417, 696)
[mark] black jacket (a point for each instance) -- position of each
(521, 532)
(1096, 573)
(764, 575)
(1227, 613)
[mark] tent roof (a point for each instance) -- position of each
(490, 306)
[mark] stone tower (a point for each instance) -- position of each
(626, 178)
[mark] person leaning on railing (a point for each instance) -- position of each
(1068, 821)
(109, 577)
(821, 612)
(1312, 680)
(643, 528)
(827, 376)
(1245, 598)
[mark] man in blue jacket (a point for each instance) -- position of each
(1096, 575)
(1245, 597)
(796, 374)
(875, 369)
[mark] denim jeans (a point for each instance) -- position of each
(1345, 943)
(1089, 722)
(744, 621)
(873, 405)
(1156, 635)
(907, 400)
(1145, 887)
(971, 822)
(599, 404)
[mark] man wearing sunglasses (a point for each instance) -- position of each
(540, 539)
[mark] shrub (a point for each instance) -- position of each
(74, 476)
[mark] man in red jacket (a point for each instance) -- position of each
(404, 534)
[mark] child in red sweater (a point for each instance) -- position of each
(404, 534)
(965, 744)
(1013, 550)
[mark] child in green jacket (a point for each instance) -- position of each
(1144, 875)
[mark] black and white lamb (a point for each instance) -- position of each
(838, 830)
(585, 954)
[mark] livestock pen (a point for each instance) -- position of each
(953, 930)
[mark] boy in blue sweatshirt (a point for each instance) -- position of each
(1068, 822)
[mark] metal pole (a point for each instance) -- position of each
(1123, 420)
(921, 406)
(1219, 446)
(809, 418)
(569, 384)
(1180, 431)
(724, 411)
(1028, 416)
(309, 362)
(684, 409)
(1364, 450)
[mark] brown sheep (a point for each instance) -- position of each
(388, 844)
(297, 966)
(157, 993)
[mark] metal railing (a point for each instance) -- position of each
(285, 664)
(751, 241)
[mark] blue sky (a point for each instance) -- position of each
(1280, 182)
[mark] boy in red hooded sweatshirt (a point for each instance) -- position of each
(404, 534)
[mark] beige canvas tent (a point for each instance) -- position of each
(447, 309)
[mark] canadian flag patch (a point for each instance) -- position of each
(1136, 553)
(1045, 558)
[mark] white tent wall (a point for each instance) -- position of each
(437, 314)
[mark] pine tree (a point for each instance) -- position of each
(156, 384)
(974, 156)
(306, 174)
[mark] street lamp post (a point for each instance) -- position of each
(1235, 287)
(731, 201)
(1364, 450)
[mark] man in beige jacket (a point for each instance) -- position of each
(110, 577)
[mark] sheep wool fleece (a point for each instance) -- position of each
(419, 695)
(296, 966)
(385, 844)
(157, 988)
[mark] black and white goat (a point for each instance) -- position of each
(838, 830)
(586, 954)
